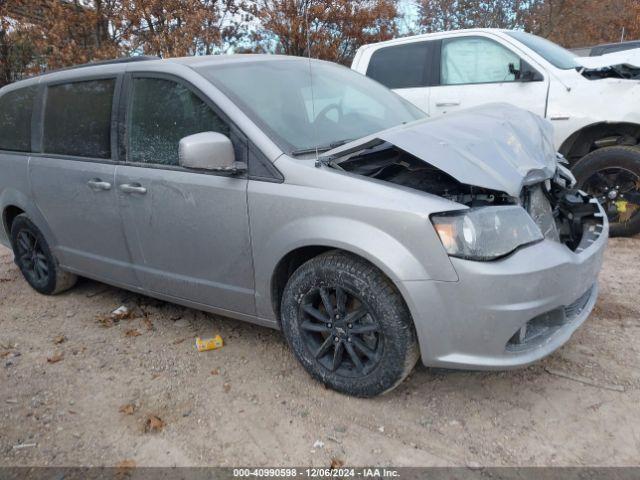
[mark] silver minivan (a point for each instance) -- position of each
(303, 196)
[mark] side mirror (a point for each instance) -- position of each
(209, 151)
(514, 71)
(526, 73)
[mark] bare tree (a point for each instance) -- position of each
(439, 15)
(331, 30)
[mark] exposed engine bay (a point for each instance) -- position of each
(396, 166)
(626, 72)
(562, 213)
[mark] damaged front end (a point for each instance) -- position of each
(503, 168)
(564, 213)
(621, 65)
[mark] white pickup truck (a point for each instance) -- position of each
(593, 102)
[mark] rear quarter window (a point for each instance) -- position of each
(16, 108)
(77, 120)
(401, 66)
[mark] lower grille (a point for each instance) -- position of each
(577, 307)
(540, 328)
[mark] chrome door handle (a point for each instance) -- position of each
(448, 104)
(133, 188)
(97, 184)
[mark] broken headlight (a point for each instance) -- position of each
(485, 233)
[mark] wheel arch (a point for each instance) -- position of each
(13, 201)
(9, 214)
(295, 257)
(582, 141)
(399, 256)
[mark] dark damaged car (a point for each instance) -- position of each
(303, 196)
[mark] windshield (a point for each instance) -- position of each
(278, 96)
(551, 52)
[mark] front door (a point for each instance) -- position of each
(188, 230)
(475, 70)
(73, 180)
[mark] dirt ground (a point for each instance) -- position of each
(89, 400)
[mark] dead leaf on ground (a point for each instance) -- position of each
(153, 424)
(5, 354)
(126, 464)
(132, 333)
(55, 358)
(128, 409)
(155, 375)
(215, 371)
(148, 323)
(105, 321)
(59, 339)
(124, 469)
(226, 387)
(4, 280)
(180, 340)
(336, 463)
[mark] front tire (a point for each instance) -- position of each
(348, 325)
(612, 174)
(33, 256)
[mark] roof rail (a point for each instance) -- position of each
(138, 58)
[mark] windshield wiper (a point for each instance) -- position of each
(321, 148)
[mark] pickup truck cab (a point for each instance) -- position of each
(592, 102)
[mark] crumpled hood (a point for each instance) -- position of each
(626, 57)
(494, 146)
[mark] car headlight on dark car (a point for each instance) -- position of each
(485, 233)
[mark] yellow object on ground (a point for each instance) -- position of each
(209, 343)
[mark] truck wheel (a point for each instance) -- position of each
(33, 256)
(612, 175)
(348, 325)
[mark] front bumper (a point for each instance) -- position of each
(472, 323)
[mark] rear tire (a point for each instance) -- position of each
(365, 343)
(613, 171)
(35, 260)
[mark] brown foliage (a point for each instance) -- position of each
(46, 34)
(578, 23)
(171, 28)
(331, 29)
(571, 23)
(39, 35)
(439, 15)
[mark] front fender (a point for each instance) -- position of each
(375, 245)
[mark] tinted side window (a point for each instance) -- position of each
(15, 119)
(162, 113)
(476, 60)
(402, 66)
(77, 118)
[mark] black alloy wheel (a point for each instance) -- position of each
(612, 175)
(32, 259)
(340, 331)
(618, 191)
(35, 260)
(348, 325)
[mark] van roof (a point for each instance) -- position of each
(192, 61)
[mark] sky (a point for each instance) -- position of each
(410, 11)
